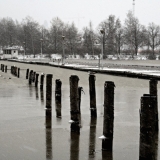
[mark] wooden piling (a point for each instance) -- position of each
(74, 104)
(18, 75)
(6, 69)
(2, 67)
(49, 95)
(92, 92)
(15, 71)
(36, 79)
(79, 98)
(108, 120)
(41, 81)
(58, 96)
(27, 72)
(30, 76)
(153, 91)
(147, 128)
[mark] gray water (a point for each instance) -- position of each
(23, 132)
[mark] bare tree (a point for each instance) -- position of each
(109, 38)
(154, 37)
(32, 34)
(119, 36)
(72, 38)
(134, 33)
(8, 34)
(56, 32)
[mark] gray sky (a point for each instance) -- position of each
(80, 11)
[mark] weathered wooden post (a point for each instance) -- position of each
(153, 91)
(42, 96)
(80, 89)
(18, 75)
(41, 81)
(147, 128)
(58, 96)
(2, 67)
(34, 77)
(108, 120)
(6, 69)
(30, 76)
(36, 80)
(27, 72)
(92, 92)
(15, 71)
(74, 104)
(49, 95)
(48, 117)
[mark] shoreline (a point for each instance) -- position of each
(132, 71)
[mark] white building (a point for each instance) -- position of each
(10, 52)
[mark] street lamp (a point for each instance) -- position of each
(24, 44)
(102, 31)
(41, 46)
(63, 55)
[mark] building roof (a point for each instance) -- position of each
(11, 48)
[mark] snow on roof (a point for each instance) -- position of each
(11, 48)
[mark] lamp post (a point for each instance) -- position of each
(41, 46)
(103, 35)
(24, 44)
(63, 55)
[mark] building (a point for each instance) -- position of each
(10, 52)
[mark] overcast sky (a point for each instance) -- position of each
(80, 11)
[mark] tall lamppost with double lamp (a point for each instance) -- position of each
(41, 47)
(102, 31)
(63, 46)
(24, 45)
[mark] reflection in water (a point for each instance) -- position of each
(107, 155)
(156, 145)
(48, 138)
(152, 150)
(58, 108)
(36, 91)
(42, 96)
(92, 136)
(30, 90)
(74, 146)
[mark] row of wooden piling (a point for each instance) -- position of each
(15, 71)
(149, 122)
(148, 114)
(75, 100)
(3, 68)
